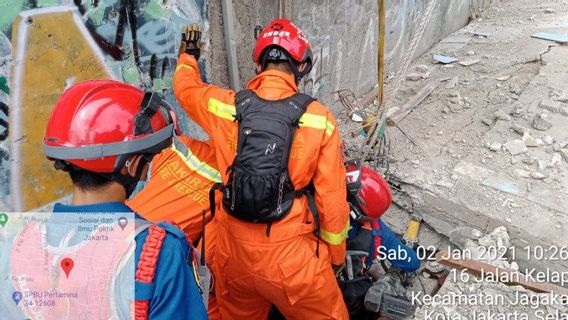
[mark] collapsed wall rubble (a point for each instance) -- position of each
(465, 296)
(487, 146)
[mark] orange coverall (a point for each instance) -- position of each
(178, 190)
(256, 271)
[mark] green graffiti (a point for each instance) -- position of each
(156, 10)
(162, 84)
(4, 85)
(130, 71)
(97, 16)
(8, 12)
(3, 219)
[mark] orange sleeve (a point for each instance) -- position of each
(330, 196)
(196, 97)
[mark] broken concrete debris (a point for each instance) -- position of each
(538, 175)
(422, 72)
(547, 140)
(423, 69)
(516, 147)
(556, 159)
(414, 77)
(550, 105)
(501, 115)
(522, 173)
(530, 141)
(540, 122)
(564, 154)
(452, 83)
(356, 117)
(481, 34)
(487, 122)
(467, 63)
(486, 298)
(560, 38)
(495, 146)
(511, 92)
(444, 59)
(519, 129)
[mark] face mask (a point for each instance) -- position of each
(138, 186)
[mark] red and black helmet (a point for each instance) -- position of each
(97, 124)
(281, 40)
(368, 193)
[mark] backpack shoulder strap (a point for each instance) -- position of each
(302, 100)
(242, 99)
(299, 103)
(242, 96)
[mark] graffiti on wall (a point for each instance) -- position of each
(47, 45)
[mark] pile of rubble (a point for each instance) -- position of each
(485, 141)
(464, 296)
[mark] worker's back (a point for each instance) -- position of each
(314, 156)
(260, 264)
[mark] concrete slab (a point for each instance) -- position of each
(460, 181)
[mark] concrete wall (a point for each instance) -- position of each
(344, 35)
(46, 45)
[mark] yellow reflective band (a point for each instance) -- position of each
(329, 128)
(335, 238)
(181, 66)
(317, 122)
(202, 168)
(222, 110)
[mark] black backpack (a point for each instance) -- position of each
(259, 189)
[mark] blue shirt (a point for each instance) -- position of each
(405, 258)
(174, 294)
(390, 241)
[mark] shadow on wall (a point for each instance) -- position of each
(47, 45)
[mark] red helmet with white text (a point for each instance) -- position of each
(281, 40)
(368, 192)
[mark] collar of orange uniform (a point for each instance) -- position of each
(274, 83)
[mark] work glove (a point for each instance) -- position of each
(191, 40)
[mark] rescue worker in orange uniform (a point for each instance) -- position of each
(177, 190)
(279, 263)
(178, 184)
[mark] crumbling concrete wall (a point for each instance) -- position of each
(343, 35)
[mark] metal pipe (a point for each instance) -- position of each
(381, 51)
(231, 43)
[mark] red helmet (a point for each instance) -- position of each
(368, 192)
(282, 40)
(97, 124)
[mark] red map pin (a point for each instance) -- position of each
(67, 265)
